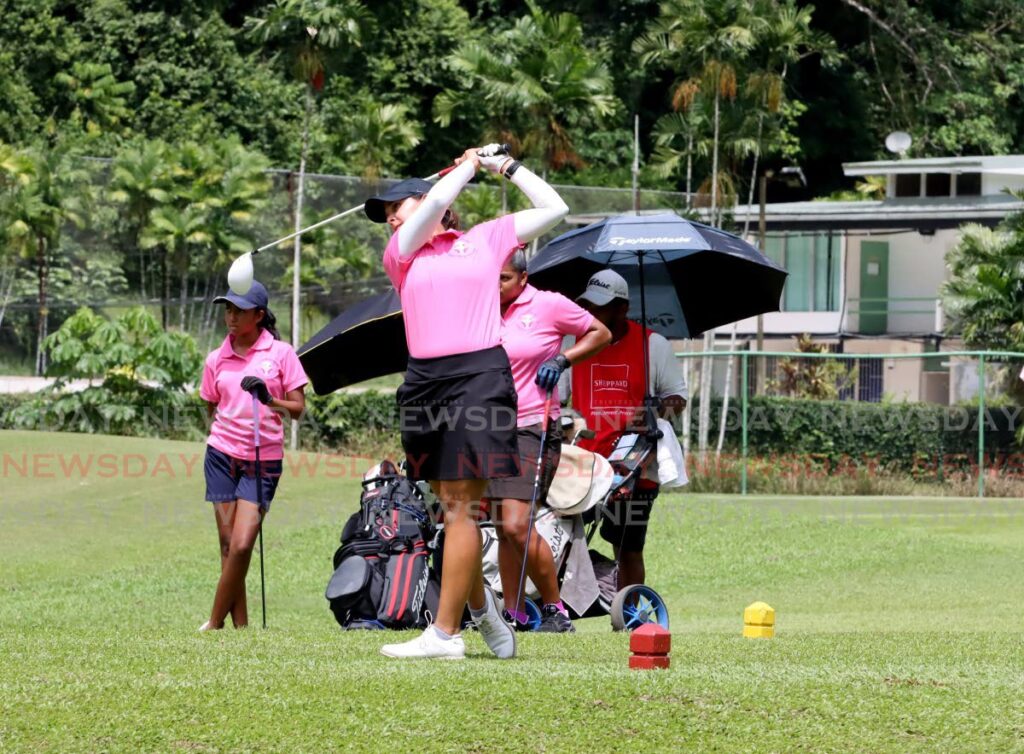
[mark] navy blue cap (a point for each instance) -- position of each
(256, 298)
(374, 207)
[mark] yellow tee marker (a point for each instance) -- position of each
(759, 621)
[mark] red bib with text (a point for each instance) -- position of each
(608, 389)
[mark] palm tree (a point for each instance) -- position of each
(983, 299)
(539, 76)
(46, 189)
(140, 181)
(176, 230)
(376, 133)
(677, 140)
(99, 99)
(713, 35)
(785, 39)
(309, 30)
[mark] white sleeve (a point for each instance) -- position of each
(667, 376)
(549, 208)
(418, 229)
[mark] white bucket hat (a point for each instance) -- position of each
(581, 481)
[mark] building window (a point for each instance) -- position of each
(814, 263)
(937, 184)
(968, 184)
(908, 184)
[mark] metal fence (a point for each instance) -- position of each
(984, 384)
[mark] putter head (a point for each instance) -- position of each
(241, 274)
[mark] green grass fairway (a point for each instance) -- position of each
(899, 627)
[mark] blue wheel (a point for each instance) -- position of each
(533, 614)
(533, 610)
(636, 605)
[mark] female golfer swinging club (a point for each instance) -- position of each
(252, 361)
(458, 402)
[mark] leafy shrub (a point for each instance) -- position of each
(144, 375)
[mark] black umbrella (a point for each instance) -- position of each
(684, 277)
(366, 340)
(696, 277)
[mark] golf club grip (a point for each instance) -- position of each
(502, 149)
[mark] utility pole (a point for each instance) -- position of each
(762, 224)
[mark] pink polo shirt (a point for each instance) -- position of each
(532, 331)
(449, 288)
(273, 361)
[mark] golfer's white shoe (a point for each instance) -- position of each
(428, 645)
(206, 627)
(498, 634)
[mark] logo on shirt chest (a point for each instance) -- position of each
(610, 378)
(527, 321)
(462, 249)
(266, 367)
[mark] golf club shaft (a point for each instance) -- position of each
(259, 499)
(533, 500)
(505, 149)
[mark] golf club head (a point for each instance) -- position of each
(241, 273)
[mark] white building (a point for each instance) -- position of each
(867, 274)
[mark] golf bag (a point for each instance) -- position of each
(382, 577)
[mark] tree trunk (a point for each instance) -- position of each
(725, 392)
(43, 273)
(183, 315)
(6, 290)
(165, 297)
(714, 165)
(299, 197)
(689, 171)
(753, 174)
(687, 422)
(296, 291)
(706, 366)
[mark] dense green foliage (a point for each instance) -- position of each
(192, 101)
(984, 296)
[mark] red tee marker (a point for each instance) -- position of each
(650, 645)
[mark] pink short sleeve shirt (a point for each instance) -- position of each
(449, 288)
(274, 362)
(531, 332)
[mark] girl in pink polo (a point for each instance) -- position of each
(533, 326)
(252, 361)
(458, 402)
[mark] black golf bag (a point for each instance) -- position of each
(382, 576)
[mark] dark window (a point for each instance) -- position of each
(937, 184)
(968, 184)
(908, 184)
(869, 381)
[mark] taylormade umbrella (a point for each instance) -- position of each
(684, 277)
(366, 340)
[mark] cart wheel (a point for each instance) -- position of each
(635, 605)
(532, 611)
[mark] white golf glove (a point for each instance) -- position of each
(490, 159)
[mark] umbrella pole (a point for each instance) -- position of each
(649, 417)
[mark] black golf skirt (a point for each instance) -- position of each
(458, 417)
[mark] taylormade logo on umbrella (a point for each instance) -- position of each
(648, 240)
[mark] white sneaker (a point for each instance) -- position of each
(498, 634)
(206, 627)
(429, 644)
